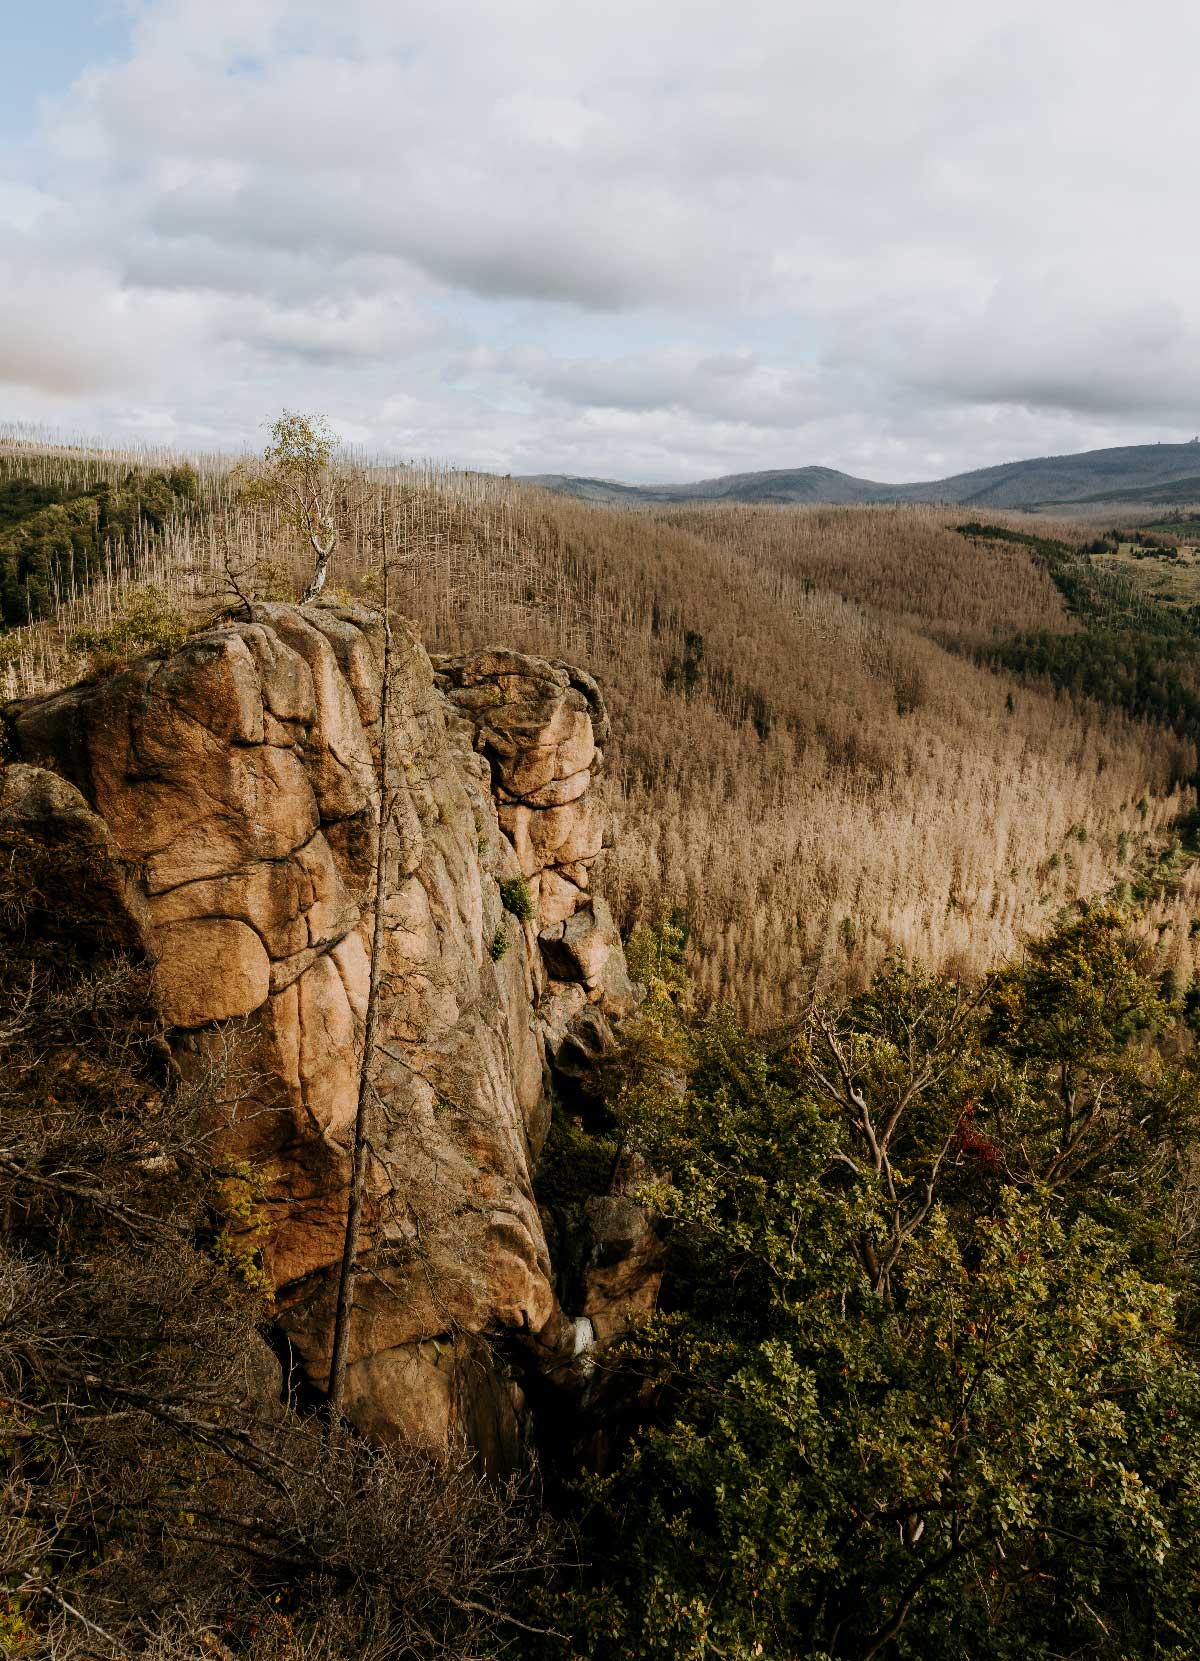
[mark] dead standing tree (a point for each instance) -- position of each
(877, 1089)
(360, 1154)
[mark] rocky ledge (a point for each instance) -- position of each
(233, 790)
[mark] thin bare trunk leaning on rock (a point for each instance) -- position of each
(160, 1488)
(348, 1272)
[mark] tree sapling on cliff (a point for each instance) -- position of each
(296, 478)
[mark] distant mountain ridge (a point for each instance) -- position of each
(1131, 472)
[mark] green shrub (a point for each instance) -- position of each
(574, 1163)
(54, 541)
(656, 952)
(515, 897)
(274, 580)
(149, 623)
(922, 1384)
(500, 944)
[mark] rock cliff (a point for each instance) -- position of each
(233, 789)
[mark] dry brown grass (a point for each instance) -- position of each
(896, 801)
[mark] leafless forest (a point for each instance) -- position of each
(807, 760)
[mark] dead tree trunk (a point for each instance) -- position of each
(348, 1274)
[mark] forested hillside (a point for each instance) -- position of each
(55, 538)
(842, 732)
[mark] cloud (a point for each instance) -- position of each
(72, 330)
(21, 205)
(681, 380)
(649, 242)
(1043, 346)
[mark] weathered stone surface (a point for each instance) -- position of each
(46, 809)
(536, 723)
(558, 1011)
(453, 1387)
(36, 801)
(558, 898)
(587, 947)
(235, 789)
(580, 947)
(623, 1267)
(208, 969)
(422, 1375)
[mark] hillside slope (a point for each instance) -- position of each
(780, 485)
(811, 766)
(988, 1198)
(1092, 475)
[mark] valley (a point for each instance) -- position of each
(857, 758)
(453, 932)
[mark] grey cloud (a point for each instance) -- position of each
(1043, 348)
(334, 334)
(546, 247)
(731, 386)
(72, 331)
(656, 242)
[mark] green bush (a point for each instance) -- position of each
(515, 897)
(923, 1383)
(53, 541)
(575, 1162)
(149, 622)
(274, 580)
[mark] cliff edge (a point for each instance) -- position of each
(233, 790)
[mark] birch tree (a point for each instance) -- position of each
(297, 477)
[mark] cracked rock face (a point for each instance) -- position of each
(237, 784)
(541, 726)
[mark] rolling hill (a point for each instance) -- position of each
(1137, 472)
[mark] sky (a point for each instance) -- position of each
(647, 242)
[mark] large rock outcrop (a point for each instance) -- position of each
(236, 785)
